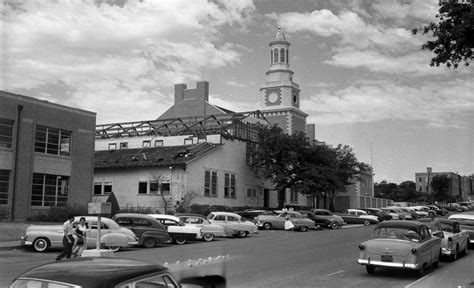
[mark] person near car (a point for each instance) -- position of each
(288, 224)
(80, 234)
(68, 238)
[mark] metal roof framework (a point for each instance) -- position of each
(244, 126)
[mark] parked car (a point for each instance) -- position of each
(356, 216)
(278, 218)
(454, 242)
(148, 230)
(418, 211)
(209, 231)
(326, 218)
(467, 224)
(381, 214)
(111, 272)
(178, 231)
(234, 225)
(313, 217)
(468, 204)
(252, 214)
(437, 210)
(400, 244)
(112, 236)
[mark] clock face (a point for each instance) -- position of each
(272, 97)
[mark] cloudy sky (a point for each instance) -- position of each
(364, 80)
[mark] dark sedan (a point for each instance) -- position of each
(148, 230)
(326, 218)
(108, 273)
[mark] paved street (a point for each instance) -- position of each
(324, 258)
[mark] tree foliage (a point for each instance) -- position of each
(289, 161)
(403, 192)
(440, 185)
(453, 35)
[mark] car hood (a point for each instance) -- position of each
(395, 247)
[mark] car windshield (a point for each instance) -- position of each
(396, 233)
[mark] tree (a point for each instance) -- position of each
(454, 34)
(440, 185)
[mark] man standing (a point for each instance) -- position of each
(68, 239)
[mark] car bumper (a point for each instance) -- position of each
(388, 264)
(447, 251)
(24, 241)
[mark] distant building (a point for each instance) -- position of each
(460, 187)
(46, 155)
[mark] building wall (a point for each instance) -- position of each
(459, 186)
(78, 166)
(280, 118)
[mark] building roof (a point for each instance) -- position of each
(152, 157)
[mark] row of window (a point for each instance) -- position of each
(6, 133)
(148, 143)
(4, 183)
(282, 53)
(210, 184)
(49, 190)
(52, 141)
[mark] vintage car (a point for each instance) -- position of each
(400, 244)
(357, 216)
(111, 272)
(454, 242)
(326, 218)
(113, 237)
(148, 230)
(277, 221)
(179, 232)
(467, 224)
(251, 214)
(234, 225)
(208, 230)
(381, 214)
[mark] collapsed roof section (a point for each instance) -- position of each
(167, 156)
(243, 126)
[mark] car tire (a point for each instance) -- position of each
(114, 248)
(242, 234)
(303, 228)
(208, 237)
(180, 240)
(421, 271)
(334, 225)
(366, 222)
(41, 244)
(267, 226)
(370, 269)
(149, 242)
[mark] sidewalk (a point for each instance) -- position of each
(457, 274)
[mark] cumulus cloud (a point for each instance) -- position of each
(102, 50)
(443, 104)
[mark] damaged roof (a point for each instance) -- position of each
(152, 157)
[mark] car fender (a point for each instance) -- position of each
(114, 239)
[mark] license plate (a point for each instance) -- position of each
(387, 258)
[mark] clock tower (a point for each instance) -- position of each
(280, 95)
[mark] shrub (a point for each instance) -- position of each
(4, 213)
(58, 214)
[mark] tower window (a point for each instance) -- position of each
(282, 55)
(287, 60)
(271, 57)
(275, 55)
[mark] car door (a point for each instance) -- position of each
(427, 246)
(233, 224)
(93, 232)
(220, 220)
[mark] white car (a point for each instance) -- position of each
(178, 231)
(209, 230)
(467, 224)
(112, 236)
(233, 224)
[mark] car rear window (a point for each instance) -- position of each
(396, 233)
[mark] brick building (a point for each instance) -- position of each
(46, 155)
(460, 187)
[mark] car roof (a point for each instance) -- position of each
(189, 214)
(225, 213)
(400, 224)
(93, 271)
(133, 215)
(164, 216)
(462, 216)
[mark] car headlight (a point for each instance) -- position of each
(361, 247)
(413, 251)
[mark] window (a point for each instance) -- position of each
(49, 190)
(158, 143)
(124, 221)
(229, 185)
(52, 141)
(419, 179)
(210, 183)
(142, 187)
(293, 196)
(123, 145)
(141, 222)
(154, 186)
(97, 188)
(275, 55)
(146, 144)
(282, 55)
(112, 146)
(165, 188)
(4, 183)
(6, 133)
(251, 192)
(107, 187)
(188, 141)
(232, 218)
